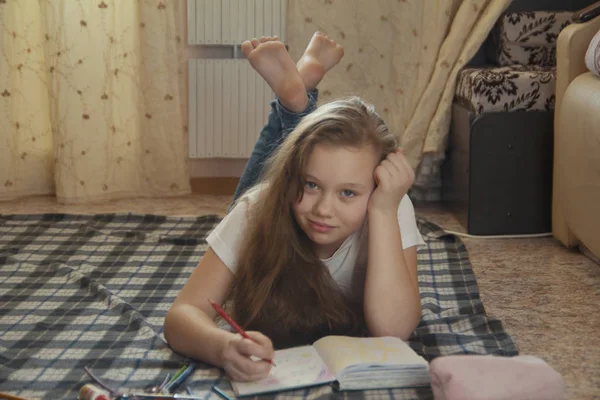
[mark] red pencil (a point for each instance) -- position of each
(233, 324)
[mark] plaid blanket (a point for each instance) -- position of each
(93, 290)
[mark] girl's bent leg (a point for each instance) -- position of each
(279, 124)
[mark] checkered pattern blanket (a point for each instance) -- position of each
(93, 291)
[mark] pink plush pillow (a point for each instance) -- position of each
(592, 55)
(477, 377)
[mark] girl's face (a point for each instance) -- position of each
(339, 182)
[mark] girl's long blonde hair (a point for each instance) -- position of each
(281, 288)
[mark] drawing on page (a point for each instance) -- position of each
(378, 351)
(295, 367)
(325, 374)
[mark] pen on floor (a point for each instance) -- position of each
(10, 396)
(179, 372)
(234, 324)
(220, 393)
(170, 379)
(148, 396)
(164, 383)
(174, 384)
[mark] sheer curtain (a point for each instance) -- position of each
(92, 99)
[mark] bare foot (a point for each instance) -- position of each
(269, 57)
(320, 56)
(264, 39)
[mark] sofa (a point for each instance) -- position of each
(576, 164)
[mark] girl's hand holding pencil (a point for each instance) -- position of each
(238, 351)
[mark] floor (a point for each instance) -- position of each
(546, 295)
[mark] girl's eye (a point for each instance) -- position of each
(311, 185)
(348, 193)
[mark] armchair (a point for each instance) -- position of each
(576, 171)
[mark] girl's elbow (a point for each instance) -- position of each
(402, 330)
(412, 326)
(169, 324)
(400, 333)
(378, 330)
(418, 316)
(406, 331)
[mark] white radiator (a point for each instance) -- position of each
(226, 22)
(228, 106)
(228, 100)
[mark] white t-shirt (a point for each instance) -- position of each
(347, 265)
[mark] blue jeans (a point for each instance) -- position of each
(280, 123)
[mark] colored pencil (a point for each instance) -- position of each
(221, 393)
(233, 324)
(172, 386)
(10, 396)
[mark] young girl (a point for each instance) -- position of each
(324, 244)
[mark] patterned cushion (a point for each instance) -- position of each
(502, 89)
(592, 55)
(528, 38)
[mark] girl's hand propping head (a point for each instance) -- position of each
(236, 357)
(393, 176)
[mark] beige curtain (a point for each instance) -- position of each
(92, 99)
(402, 55)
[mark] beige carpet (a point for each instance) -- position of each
(547, 296)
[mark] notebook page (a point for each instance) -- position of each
(340, 352)
(295, 367)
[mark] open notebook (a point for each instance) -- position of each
(352, 363)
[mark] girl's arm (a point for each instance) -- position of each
(392, 305)
(189, 325)
(190, 328)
